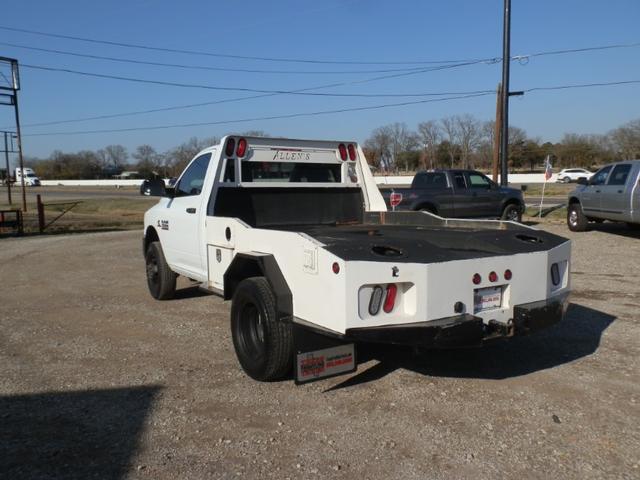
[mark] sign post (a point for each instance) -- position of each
(394, 200)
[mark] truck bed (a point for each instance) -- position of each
(424, 244)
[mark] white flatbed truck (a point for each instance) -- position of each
(297, 235)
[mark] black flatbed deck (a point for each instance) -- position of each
(425, 244)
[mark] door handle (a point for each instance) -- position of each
(619, 191)
(597, 191)
(191, 210)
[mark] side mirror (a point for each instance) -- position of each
(524, 188)
(155, 188)
(582, 181)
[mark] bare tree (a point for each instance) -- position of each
(430, 135)
(403, 140)
(626, 140)
(380, 144)
(450, 129)
(114, 156)
(148, 160)
(485, 147)
(469, 134)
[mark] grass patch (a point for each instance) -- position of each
(93, 214)
(552, 189)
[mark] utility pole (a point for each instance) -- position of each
(497, 127)
(506, 61)
(6, 159)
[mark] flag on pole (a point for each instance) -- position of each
(548, 169)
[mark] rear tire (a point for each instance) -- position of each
(633, 226)
(263, 343)
(512, 213)
(576, 219)
(160, 279)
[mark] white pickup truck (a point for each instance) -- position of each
(297, 235)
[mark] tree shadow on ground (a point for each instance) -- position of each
(577, 336)
(78, 434)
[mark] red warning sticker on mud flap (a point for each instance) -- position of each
(325, 363)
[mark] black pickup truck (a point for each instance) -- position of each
(459, 194)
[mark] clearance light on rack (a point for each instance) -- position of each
(352, 152)
(230, 147)
(342, 150)
(241, 149)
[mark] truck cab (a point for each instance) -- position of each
(612, 193)
(458, 193)
(30, 177)
(297, 235)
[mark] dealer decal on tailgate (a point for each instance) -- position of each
(325, 363)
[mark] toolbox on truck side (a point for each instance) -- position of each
(297, 235)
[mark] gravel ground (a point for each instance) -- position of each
(97, 380)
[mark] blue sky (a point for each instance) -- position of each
(355, 30)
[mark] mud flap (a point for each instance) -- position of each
(318, 355)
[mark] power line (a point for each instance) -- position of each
(577, 50)
(202, 104)
(251, 97)
(327, 112)
(303, 92)
(204, 67)
(272, 117)
(582, 85)
(286, 60)
(226, 55)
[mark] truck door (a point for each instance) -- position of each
(185, 218)
(615, 195)
(484, 200)
(590, 195)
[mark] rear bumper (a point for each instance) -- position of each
(466, 330)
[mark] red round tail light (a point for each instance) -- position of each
(507, 274)
(231, 146)
(335, 267)
(343, 151)
(242, 148)
(493, 277)
(477, 279)
(352, 152)
(390, 300)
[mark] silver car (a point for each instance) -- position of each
(612, 193)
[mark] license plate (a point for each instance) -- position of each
(487, 298)
(325, 363)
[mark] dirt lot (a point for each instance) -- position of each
(97, 380)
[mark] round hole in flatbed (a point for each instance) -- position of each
(227, 233)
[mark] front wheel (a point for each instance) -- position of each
(566, 180)
(160, 279)
(263, 343)
(576, 219)
(512, 213)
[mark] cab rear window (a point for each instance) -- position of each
(291, 172)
